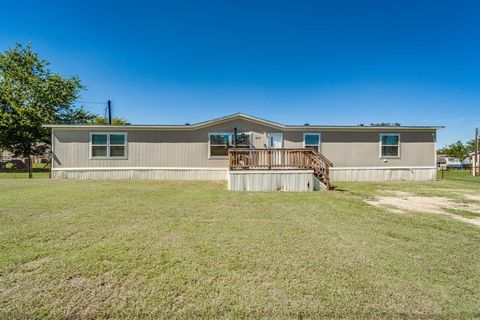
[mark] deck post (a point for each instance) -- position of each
(269, 159)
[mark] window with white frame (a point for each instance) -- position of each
(389, 145)
(108, 145)
(219, 142)
(311, 141)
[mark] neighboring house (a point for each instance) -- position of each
(266, 151)
(7, 156)
(441, 161)
(472, 156)
(452, 163)
(475, 164)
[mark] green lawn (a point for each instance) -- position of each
(459, 175)
(22, 175)
(161, 249)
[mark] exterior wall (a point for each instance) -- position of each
(271, 180)
(361, 148)
(152, 150)
(472, 160)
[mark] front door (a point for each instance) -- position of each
(275, 140)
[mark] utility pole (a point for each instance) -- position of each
(475, 155)
(109, 110)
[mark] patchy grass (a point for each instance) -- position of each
(464, 213)
(161, 249)
(23, 175)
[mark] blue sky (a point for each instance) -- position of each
(322, 62)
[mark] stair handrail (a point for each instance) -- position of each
(321, 166)
(321, 156)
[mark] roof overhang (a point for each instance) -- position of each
(237, 116)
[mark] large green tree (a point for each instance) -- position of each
(32, 95)
(471, 145)
(116, 121)
(457, 150)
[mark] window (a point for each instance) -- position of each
(99, 145)
(219, 142)
(108, 145)
(117, 145)
(311, 140)
(243, 140)
(389, 145)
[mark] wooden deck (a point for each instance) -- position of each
(281, 159)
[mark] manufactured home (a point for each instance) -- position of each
(249, 152)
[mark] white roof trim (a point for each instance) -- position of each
(234, 117)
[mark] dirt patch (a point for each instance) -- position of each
(466, 193)
(397, 193)
(405, 202)
(472, 196)
(77, 281)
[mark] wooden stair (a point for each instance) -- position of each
(321, 168)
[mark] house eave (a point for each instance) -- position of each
(208, 123)
(285, 128)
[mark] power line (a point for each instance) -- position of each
(91, 102)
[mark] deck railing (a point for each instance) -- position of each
(281, 159)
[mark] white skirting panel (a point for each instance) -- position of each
(271, 180)
(141, 174)
(383, 174)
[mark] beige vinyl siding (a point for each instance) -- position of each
(151, 148)
(145, 149)
(362, 149)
